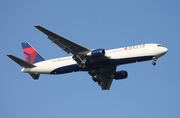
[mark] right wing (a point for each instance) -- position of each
(104, 76)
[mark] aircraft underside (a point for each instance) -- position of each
(100, 64)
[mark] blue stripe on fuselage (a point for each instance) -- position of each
(99, 64)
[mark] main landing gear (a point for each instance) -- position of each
(82, 62)
(95, 78)
(154, 61)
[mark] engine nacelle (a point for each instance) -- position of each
(120, 75)
(96, 53)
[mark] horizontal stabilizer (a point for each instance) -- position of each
(35, 76)
(21, 62)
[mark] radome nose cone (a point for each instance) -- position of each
(165, 50)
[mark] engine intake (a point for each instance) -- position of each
(96, 53)
(120, 75)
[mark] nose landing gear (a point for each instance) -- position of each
(154, 61)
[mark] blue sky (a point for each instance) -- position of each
(149, 91)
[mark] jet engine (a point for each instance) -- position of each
(96, 53)
(120, 75)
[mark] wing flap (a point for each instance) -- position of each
(62, 46)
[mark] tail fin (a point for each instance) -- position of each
(30, 54)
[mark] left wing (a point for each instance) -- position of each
(79, 52)
(65, 44)
(104, 78)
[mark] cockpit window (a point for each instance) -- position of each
(159, 45)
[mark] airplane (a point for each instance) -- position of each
(100, 64)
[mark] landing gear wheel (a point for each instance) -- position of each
(99, 82)
(82, 65)
(153, 63)
(94, 79)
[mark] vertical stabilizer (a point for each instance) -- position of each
(30, 54)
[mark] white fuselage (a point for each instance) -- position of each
(116, 56)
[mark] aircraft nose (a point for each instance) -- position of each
(162, 51)
(165, 50)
